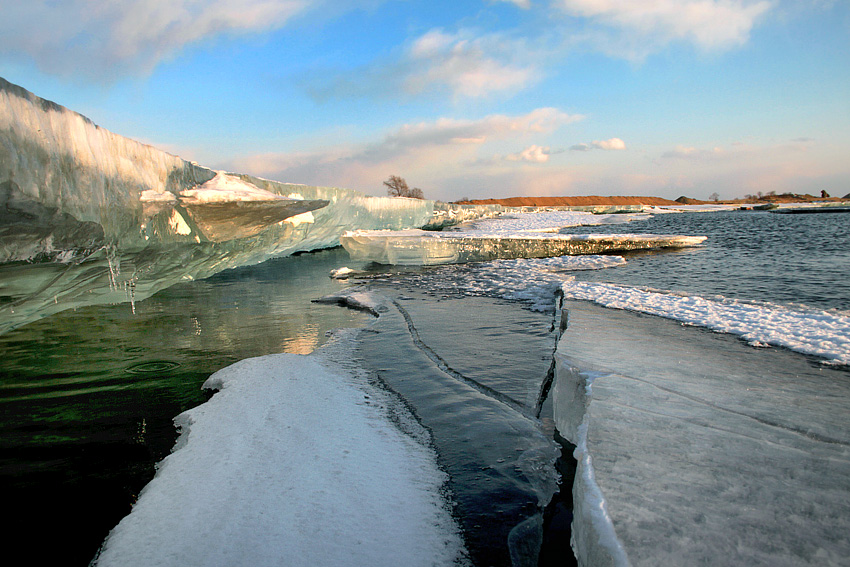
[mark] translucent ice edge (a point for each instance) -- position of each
(407, 235)
(590, 505)
(810, 331)
(294, 461)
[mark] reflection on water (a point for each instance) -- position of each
(88, 394)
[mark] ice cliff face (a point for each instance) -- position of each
(65, 182)
(101, 218)
(55, 162)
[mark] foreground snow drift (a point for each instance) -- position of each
(294, 462)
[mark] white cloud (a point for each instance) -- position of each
(612, 144)
(524, 4)
(692, 153)
(709, 24)
(108, 39)
(534, 154)
(497, 126)
(466, 65)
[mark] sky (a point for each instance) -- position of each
(463, 99)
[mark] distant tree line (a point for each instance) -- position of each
(397, 187)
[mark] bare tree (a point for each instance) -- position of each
(714, 197)
(397, 187)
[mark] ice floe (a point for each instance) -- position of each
(695, 450)
(418, 247)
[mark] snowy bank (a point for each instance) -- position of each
(295, 461)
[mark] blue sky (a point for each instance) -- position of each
(463, 99)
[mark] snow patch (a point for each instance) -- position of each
(224, 188)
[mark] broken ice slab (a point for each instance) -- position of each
(418, 247)
(228, 207)
(223, 221)
(694, 448)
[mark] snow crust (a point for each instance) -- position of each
(519, 224)
(293, 462)
(227, 188)
(153, 196)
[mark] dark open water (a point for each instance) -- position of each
(757, 256)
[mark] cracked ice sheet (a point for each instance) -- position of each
(293, 462)
(705, 451)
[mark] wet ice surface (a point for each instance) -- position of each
(474, 388)
(704, 450)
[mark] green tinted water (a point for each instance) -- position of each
(88, 395)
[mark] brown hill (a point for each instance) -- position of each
(569, 201)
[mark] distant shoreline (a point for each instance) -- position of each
(580, 201)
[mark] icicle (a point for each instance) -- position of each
(114, 262)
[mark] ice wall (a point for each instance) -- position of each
(60, 163)
(57, 165)
(99, 217)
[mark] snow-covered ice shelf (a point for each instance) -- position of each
(417, 247)
(294, 462)
(694, 448)
(521, 235)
